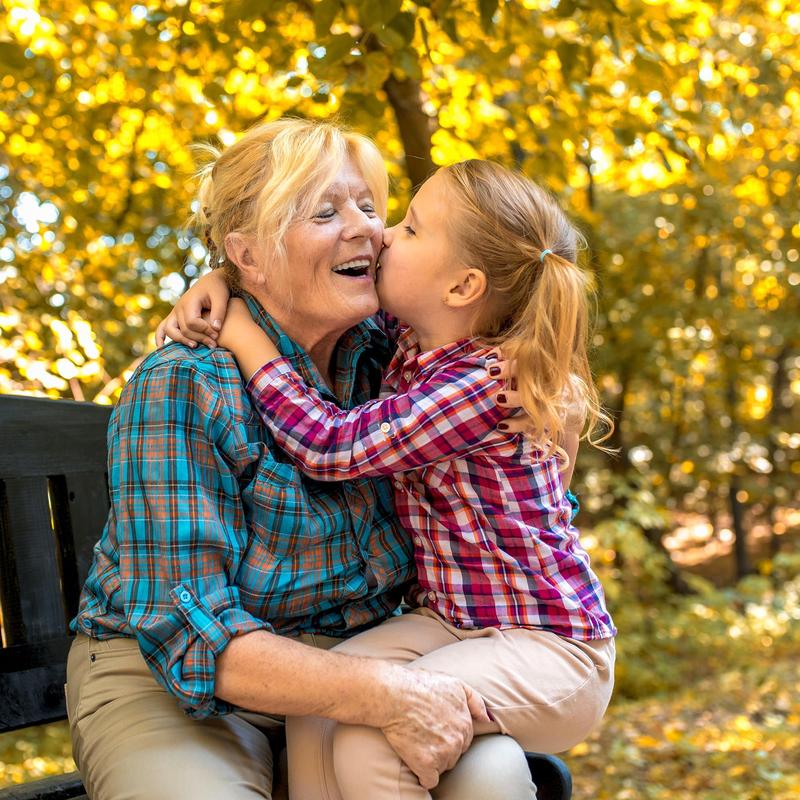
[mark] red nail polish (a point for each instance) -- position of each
(501, 398)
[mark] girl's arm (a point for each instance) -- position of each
(250, 345)
(453, 412)
(187, 323)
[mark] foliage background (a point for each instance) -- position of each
(671, 130)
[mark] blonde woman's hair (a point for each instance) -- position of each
(275, 174)
(536, 305)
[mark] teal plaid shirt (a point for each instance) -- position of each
(212, 533)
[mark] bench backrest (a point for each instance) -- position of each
(53, 505)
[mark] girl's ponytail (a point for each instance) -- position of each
(536, 306)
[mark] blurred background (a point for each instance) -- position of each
(670, 130)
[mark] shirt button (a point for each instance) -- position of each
(185, 597)
(407, 375)
(418, 540)
(87, 623)
(385, 427)
(398, 485)
(431, 596)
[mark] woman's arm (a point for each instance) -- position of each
(426, 717)
(187, 323)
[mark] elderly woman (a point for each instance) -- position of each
(224, 575)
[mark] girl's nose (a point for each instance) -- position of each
(388, 236)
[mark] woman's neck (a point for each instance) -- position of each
(320, 345)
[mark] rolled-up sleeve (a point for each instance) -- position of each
(174, 476)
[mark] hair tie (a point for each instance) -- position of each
(544, 253)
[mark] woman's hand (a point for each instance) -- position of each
(432, 722)
(199, 313)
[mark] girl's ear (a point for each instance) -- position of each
(470, 287)
(240, 249)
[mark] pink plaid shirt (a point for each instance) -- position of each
(493, 540)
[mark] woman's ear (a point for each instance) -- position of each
(470, 287)
(241, 250)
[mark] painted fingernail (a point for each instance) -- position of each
(494, 371)
(491, 357)
(501, 398)
(502, 426)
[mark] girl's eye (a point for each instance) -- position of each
(409, 230)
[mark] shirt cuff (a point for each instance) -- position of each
(182, 649)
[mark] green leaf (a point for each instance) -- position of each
(568, 54)
(406, 61)
(405, 25)
(337, 47)
(324, 13)
(389, 38)
(375, 13)
(213, 90)
(12, 56)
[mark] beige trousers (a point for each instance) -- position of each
(131, 740)
(544, 691)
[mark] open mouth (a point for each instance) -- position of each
(357, 268)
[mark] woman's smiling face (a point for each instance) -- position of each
(331, 256)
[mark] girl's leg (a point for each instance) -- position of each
(132, 741)
(494, 767)
(545, 691)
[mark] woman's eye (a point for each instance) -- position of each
(368, 209)
(325, 213)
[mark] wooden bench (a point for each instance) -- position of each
(53, 506)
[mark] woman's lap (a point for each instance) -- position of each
(131, 739)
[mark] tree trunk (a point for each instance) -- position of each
(414, 124)
(779, 383)
(736, 507)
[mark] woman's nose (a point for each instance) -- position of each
(359, 224)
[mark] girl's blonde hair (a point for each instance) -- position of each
(275, 174)
(536, 305)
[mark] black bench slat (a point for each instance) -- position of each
(33, 696)
(58, 787)
(80, 507)
(51, 437)
(33, 608)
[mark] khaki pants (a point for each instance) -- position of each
(545, 691)
(131, 740)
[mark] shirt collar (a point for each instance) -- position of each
(352, 344)
(408, 353)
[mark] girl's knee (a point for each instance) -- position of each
(494, 768)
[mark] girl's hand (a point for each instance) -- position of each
(199, 313)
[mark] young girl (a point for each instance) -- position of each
(505, 597)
